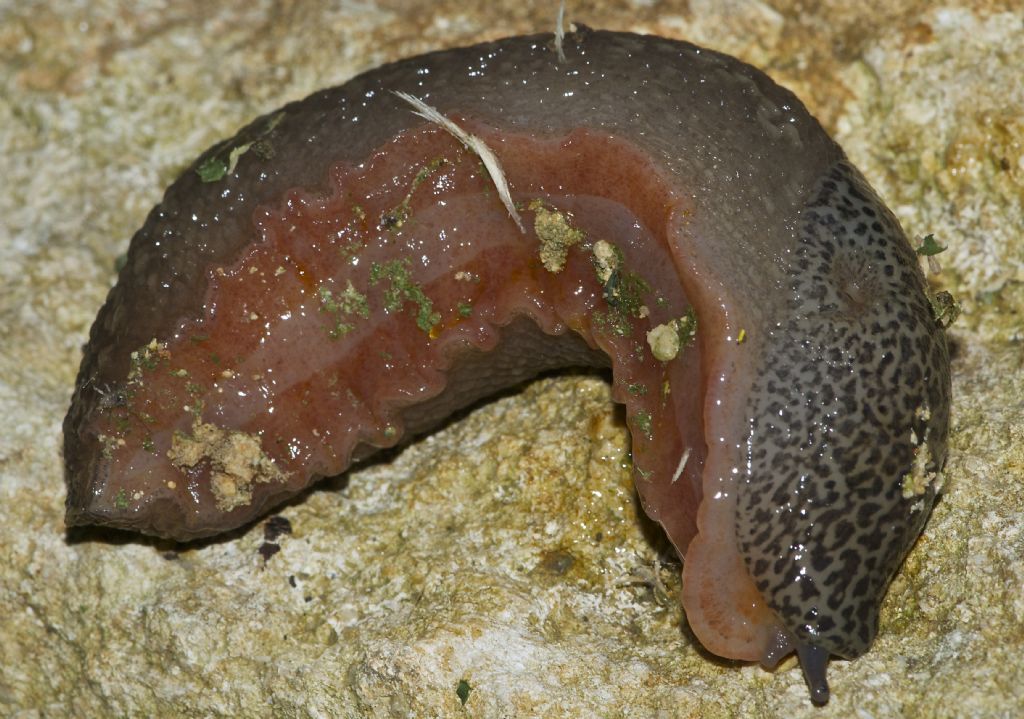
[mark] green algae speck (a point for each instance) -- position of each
(623, 291)
(348, 304)
(401, 289)
(643, 422)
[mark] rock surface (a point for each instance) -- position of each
(500, 567)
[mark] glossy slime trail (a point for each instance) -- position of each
(342, 274)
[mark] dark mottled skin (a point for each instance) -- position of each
(780, 237)
(855, 383)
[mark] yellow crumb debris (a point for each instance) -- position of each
(664, 341)
(916, 482)
(606, 260)
(918, 479)
(667, 339)
(147, 358)
(556, 236)
(236, 460)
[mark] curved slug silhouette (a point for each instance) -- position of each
(343, 273)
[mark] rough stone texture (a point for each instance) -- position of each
(506, 550)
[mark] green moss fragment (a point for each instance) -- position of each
(402, 289)
(637, 390)
(213, 169)
(462, 691)
(929, 247)
(465, 309)
(121, 499)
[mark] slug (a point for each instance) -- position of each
(349, 270)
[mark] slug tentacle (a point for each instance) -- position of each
(342, 275)
(814, 662)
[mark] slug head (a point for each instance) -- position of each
(847, 427)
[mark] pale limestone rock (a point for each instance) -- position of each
(505, 551)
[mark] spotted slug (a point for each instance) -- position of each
(349, 270)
